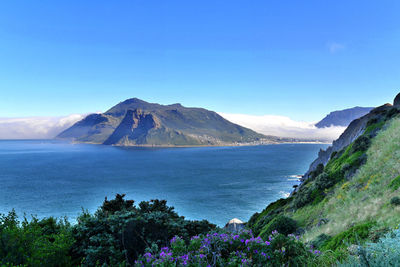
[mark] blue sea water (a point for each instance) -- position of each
(55, 178)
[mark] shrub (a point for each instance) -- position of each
(395, 201)
(320, 240)
(119, 231)
(361, 144)
(222, 249)
(282, 224)
(395, 183)
(36, 242)
(386, 252)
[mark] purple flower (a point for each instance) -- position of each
(267, 243)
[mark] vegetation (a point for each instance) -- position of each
(232, 249)
(345, 214)
(351, 200)
(117, 234)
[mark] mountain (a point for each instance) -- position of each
(350, 194)
(135, 122)
(342, 117)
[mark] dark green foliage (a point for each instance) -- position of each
(361, 144)
(353, 235)
(395, 201)
(318, 170)
(296, 253)
(119, 232)
(34, 243)
(259, 220)
(320, 240)
(282, 224)
(395, 183)
(117, 204)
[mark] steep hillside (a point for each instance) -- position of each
(137, 123)
(343, 117)
(352, 196)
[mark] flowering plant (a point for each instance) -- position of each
(230, 249)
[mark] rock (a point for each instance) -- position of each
(234, 225)
(396, 101)
(322, 221)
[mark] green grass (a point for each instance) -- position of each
(366, 196)
(355, 235)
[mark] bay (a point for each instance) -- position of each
(56, 178)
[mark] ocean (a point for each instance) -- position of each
(56, 178)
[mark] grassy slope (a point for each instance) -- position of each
(351, 195)
(366, 197)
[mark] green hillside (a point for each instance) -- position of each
(353, 199)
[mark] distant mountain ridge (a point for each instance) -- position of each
(343, 117)
(135, 122)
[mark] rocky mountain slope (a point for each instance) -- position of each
(342, 117)
(135, 122)
(351, 192)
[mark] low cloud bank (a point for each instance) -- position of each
(36, 127)
(49, 127)
(285, 127)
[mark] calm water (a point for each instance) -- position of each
(215, 183)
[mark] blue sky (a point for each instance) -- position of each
(300, 59)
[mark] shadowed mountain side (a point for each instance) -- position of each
(343, 117)
(135, 122)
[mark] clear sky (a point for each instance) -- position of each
(300, 59)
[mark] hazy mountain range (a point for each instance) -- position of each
(343, 117)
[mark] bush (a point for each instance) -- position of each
(222, 249)
(395, 183)
(282, 224)
(395, 201)
(37, 242)
(361, 144)
(320, 240)
(119, 231)
(386, 252)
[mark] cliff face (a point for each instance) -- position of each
(136, 122)
(353, 131)
(350, 190)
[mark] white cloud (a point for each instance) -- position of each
(335, 47)
(285, 127)
(49, 127)
(36, 127)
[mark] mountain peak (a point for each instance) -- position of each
(343, 117)
(136, 122)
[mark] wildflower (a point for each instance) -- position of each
(267, 243)
(147, 255)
